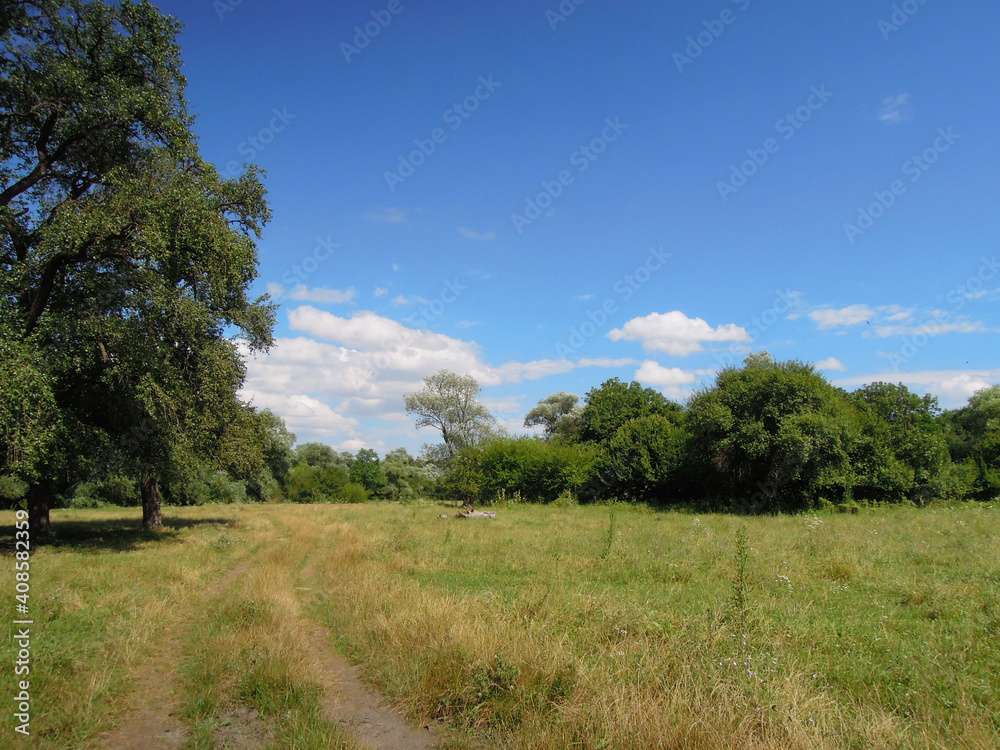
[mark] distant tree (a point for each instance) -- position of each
(550, 411)
(319, 455)
(615, 403)
(904, 428)
(771, 436)
(450, 403)
(367, 471)
(973, 434)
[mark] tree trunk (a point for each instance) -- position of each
(39, 501)
(152, 519)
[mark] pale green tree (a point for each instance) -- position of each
(450, 404)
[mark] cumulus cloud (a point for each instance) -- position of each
(380, 292)
(675, 333)
(830, 363)
(345, 375)
(673, 382)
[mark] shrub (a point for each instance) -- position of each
(353, 493)
(539, 470)
(642, 462)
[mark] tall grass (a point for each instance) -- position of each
(867, 631)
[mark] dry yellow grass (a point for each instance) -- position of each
(549, 628)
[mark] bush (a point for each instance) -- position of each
(539, 470)
(643, 461)
(353, 493)
(311, 484)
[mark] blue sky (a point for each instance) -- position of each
(547, 195)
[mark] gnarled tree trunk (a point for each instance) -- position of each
(39, 502)
(152, 518)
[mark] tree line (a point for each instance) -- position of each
(764, 437)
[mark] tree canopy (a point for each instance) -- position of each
(125, 260)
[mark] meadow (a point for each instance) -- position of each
(550, 627)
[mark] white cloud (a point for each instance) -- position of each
(581, 297)
(400, 300)
(388, 216)
(674, 383)
(831, 363)
(380, 292)
(348, 375)
(467, 324)
(675, 333)
(846, 316)
(896, 109)
(469, 234)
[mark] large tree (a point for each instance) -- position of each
(450, 403)
(771, 436)
(125, 260)
(615, 403)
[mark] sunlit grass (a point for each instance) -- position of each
(872, 630)
(550, 627)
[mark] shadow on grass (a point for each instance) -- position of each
(119, 534)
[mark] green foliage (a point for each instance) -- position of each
(614, 403)
(353, 493)
(538, 470)
(450, 403)
(12, 490)
(29, 418)
(771, 436)
(126, 259)
(644, 460)
(904, 454)
(408, 478)
(367, 471)
(310, 484)
(320, 455)
(973, 436)
(559, 414)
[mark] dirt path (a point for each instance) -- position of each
(348, 700)
(362, 711)
(154, 723)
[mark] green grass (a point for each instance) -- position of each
(583, 627)
(877, 629)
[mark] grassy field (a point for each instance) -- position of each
(551, 627)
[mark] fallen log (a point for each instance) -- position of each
(477, 514)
